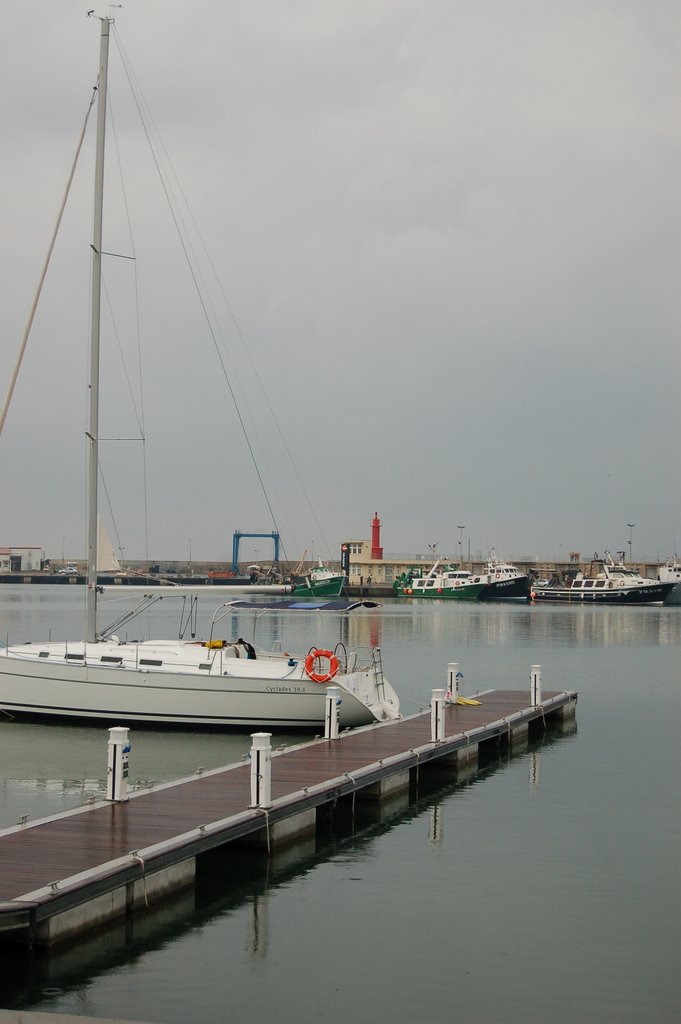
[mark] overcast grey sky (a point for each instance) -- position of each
(449, 233)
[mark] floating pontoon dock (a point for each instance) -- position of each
(78, 869)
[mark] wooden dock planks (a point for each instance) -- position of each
(89, 839)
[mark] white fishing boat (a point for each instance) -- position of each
(215, 682)
(504, 581)
(670, 572)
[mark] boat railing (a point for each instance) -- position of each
(377, 663)
(357, 659)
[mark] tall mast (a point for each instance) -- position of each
(93, 431)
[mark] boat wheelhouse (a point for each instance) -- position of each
(670, 572)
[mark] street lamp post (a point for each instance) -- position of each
(461, 529)
(631, 527)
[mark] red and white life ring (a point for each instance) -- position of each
(316, 656)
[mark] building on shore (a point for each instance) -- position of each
(21, 559)
(363, 561)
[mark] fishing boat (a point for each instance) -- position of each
(320, 581)
(501, 581)
(504, 581)
(670, 572)
(606, 582)
(214, 682)
(445, 582)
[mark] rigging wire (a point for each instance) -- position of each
(270, 409)
(111, 513)
(240, 335)
(31, 316)
(140, 418)
(117, 336)
(184, 238)
(193, 273)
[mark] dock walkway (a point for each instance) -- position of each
(63, 874)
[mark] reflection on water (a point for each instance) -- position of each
(38, 613)
(525, 624)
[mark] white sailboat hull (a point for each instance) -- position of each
(72, 681)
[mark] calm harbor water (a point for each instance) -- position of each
(544, 889)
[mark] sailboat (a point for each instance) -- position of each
(107, 561)
(215, 682)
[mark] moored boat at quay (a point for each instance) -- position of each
(504, 581)
(319, 581)
(607, 582)
(447, 583)
(501, 581)
(670, 572)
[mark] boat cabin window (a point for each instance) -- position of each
(156, 662)
(588, 583)
(44, 654)
(600, 583)
(430, 583)
(205, 665)
(75, 657)
(110, 659)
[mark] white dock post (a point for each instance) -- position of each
(453, 676)
(117, 770)
(332, 716)
(261, 769)
(437, 716)
(535, 685)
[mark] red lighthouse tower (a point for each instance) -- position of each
(376, 549)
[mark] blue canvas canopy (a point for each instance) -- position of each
(296, 606)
